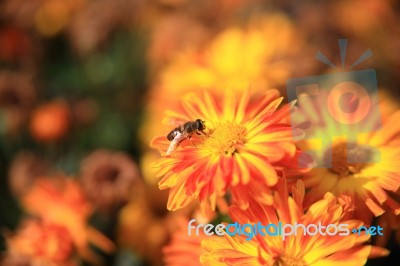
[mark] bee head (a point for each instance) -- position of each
(200, 124)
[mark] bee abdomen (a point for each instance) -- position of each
(172, 134)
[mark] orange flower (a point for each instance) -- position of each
(296, 249)
(50, 121)
(358, 159)
(62, 202)
(41, 243)
(183, 250)
(246, 141)
(256, 54)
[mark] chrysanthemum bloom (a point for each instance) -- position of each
(62, 202)
(256, 54)
(246, 139)
(41, 244)
(391, 223)
(296, 249)
(108, 177)
(359, 159)
(184, 250)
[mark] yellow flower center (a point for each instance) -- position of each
(224, 137)
(347, 159)
(289, 261)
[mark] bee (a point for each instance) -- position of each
(183, 132)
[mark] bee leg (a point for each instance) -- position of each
(189, 138)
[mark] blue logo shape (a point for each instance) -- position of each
(341, 107)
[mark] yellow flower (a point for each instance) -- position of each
(256, 55)
(247, 143)
(238, 57)
(356, 159)
(296, 249)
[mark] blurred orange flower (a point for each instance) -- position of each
(255, 55)
(183, 250)
(108, 177)
(50, 121)
(367, 16)
(247, 137)
(41, 243)
(296, 249)
(62, 202)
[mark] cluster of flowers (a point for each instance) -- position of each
(246, 163)
(56, 230)
(249, 159)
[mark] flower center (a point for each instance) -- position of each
(224, 137)
(108, 173)
(289, 261)
(347, 159)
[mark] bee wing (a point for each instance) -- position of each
(173, 123)
(174, 119)
(174, 143)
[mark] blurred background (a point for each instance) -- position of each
(83, 88)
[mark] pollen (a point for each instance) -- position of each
(347, 159)
(289, 261)
(224, 138)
